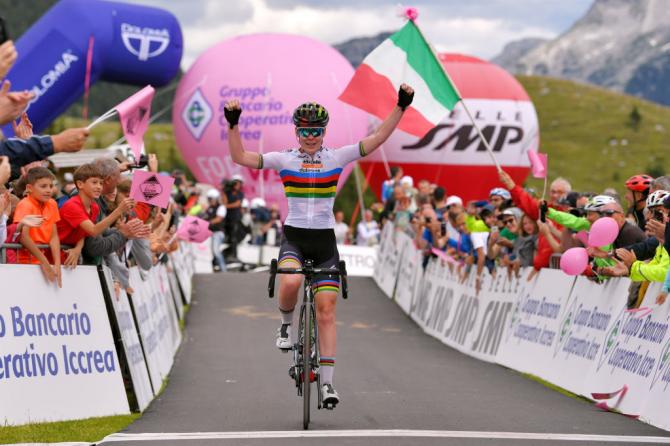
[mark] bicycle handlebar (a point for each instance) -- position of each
(308, 271)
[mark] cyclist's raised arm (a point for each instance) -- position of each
(232, 112)
(376, 139)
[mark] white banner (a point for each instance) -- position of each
(409, 274)
(183, 263)
(535, 322)
(630, 356)
(58, 357)
(570, 331)
(386, 270)
(139, 373)
(152, 327)
(592, 311)
(165, 304)
(360, 260)
(166, 287)
(656, 408)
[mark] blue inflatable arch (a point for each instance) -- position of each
(131, 44)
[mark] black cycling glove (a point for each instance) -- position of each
(232, 116)
(404, 99)
(544, 209)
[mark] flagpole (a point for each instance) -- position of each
(465, 107)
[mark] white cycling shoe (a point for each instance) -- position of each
(329, 396)
(284, 338)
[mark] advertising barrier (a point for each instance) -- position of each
(137, 366)
(386, 269)
(57, 347)
(183, 261)
(573, 332)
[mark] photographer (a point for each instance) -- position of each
(233, 224)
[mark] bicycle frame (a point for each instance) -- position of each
(306, 347)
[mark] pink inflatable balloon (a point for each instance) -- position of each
(270, 74)
(603, 232)
(583, 237)
(574, 261)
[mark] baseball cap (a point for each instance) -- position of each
(515, 212)
(453, 199)
(237, 177)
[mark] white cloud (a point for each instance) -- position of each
(217, 20)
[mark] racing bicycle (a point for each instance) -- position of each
(305, 367)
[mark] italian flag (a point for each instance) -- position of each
(405, 57)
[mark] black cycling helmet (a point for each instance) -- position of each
(310, 114)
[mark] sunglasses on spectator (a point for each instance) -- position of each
(609, 212)
(304, 132)
(508, 221)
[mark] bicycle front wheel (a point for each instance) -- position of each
(306, 364)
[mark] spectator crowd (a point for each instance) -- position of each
(90, 218)
(514, 228)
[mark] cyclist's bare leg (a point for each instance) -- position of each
(325, 316)
(288, 297)
(289, 285)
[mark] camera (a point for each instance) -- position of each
(4, 34)
(443, 228)
(143, 162)
(658, 216)
(578, 212)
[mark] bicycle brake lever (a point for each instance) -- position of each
(273, 274)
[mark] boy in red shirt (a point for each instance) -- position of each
(79, 213)
(39, 183)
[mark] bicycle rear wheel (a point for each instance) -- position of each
(306, 364)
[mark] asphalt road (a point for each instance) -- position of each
(230, 385)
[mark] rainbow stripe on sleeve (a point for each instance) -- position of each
(310, 184)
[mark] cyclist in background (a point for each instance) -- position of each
(309, 174)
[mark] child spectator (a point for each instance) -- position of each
(79, 213)
(39, 183)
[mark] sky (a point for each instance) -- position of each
(475, 27)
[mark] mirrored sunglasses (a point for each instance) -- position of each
(305, 132)
(508, 221)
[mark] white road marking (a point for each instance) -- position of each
(630, 439)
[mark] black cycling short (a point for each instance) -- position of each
(318, 245)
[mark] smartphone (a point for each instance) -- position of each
(658, 216)
(4, 33)
(428, 219)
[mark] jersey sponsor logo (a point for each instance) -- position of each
(197, 114)
(315, 165)
(146, 42)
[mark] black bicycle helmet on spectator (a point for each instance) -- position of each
(310, 114)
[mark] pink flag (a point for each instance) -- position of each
(151, 188)
(134, 113)
(194, 229)
(538, 164)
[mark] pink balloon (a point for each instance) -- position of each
(603, 232)
(270, 74)
(583, 237)
(574, 261)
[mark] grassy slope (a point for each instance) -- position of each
(579, 124)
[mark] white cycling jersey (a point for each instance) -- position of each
(310, 182)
